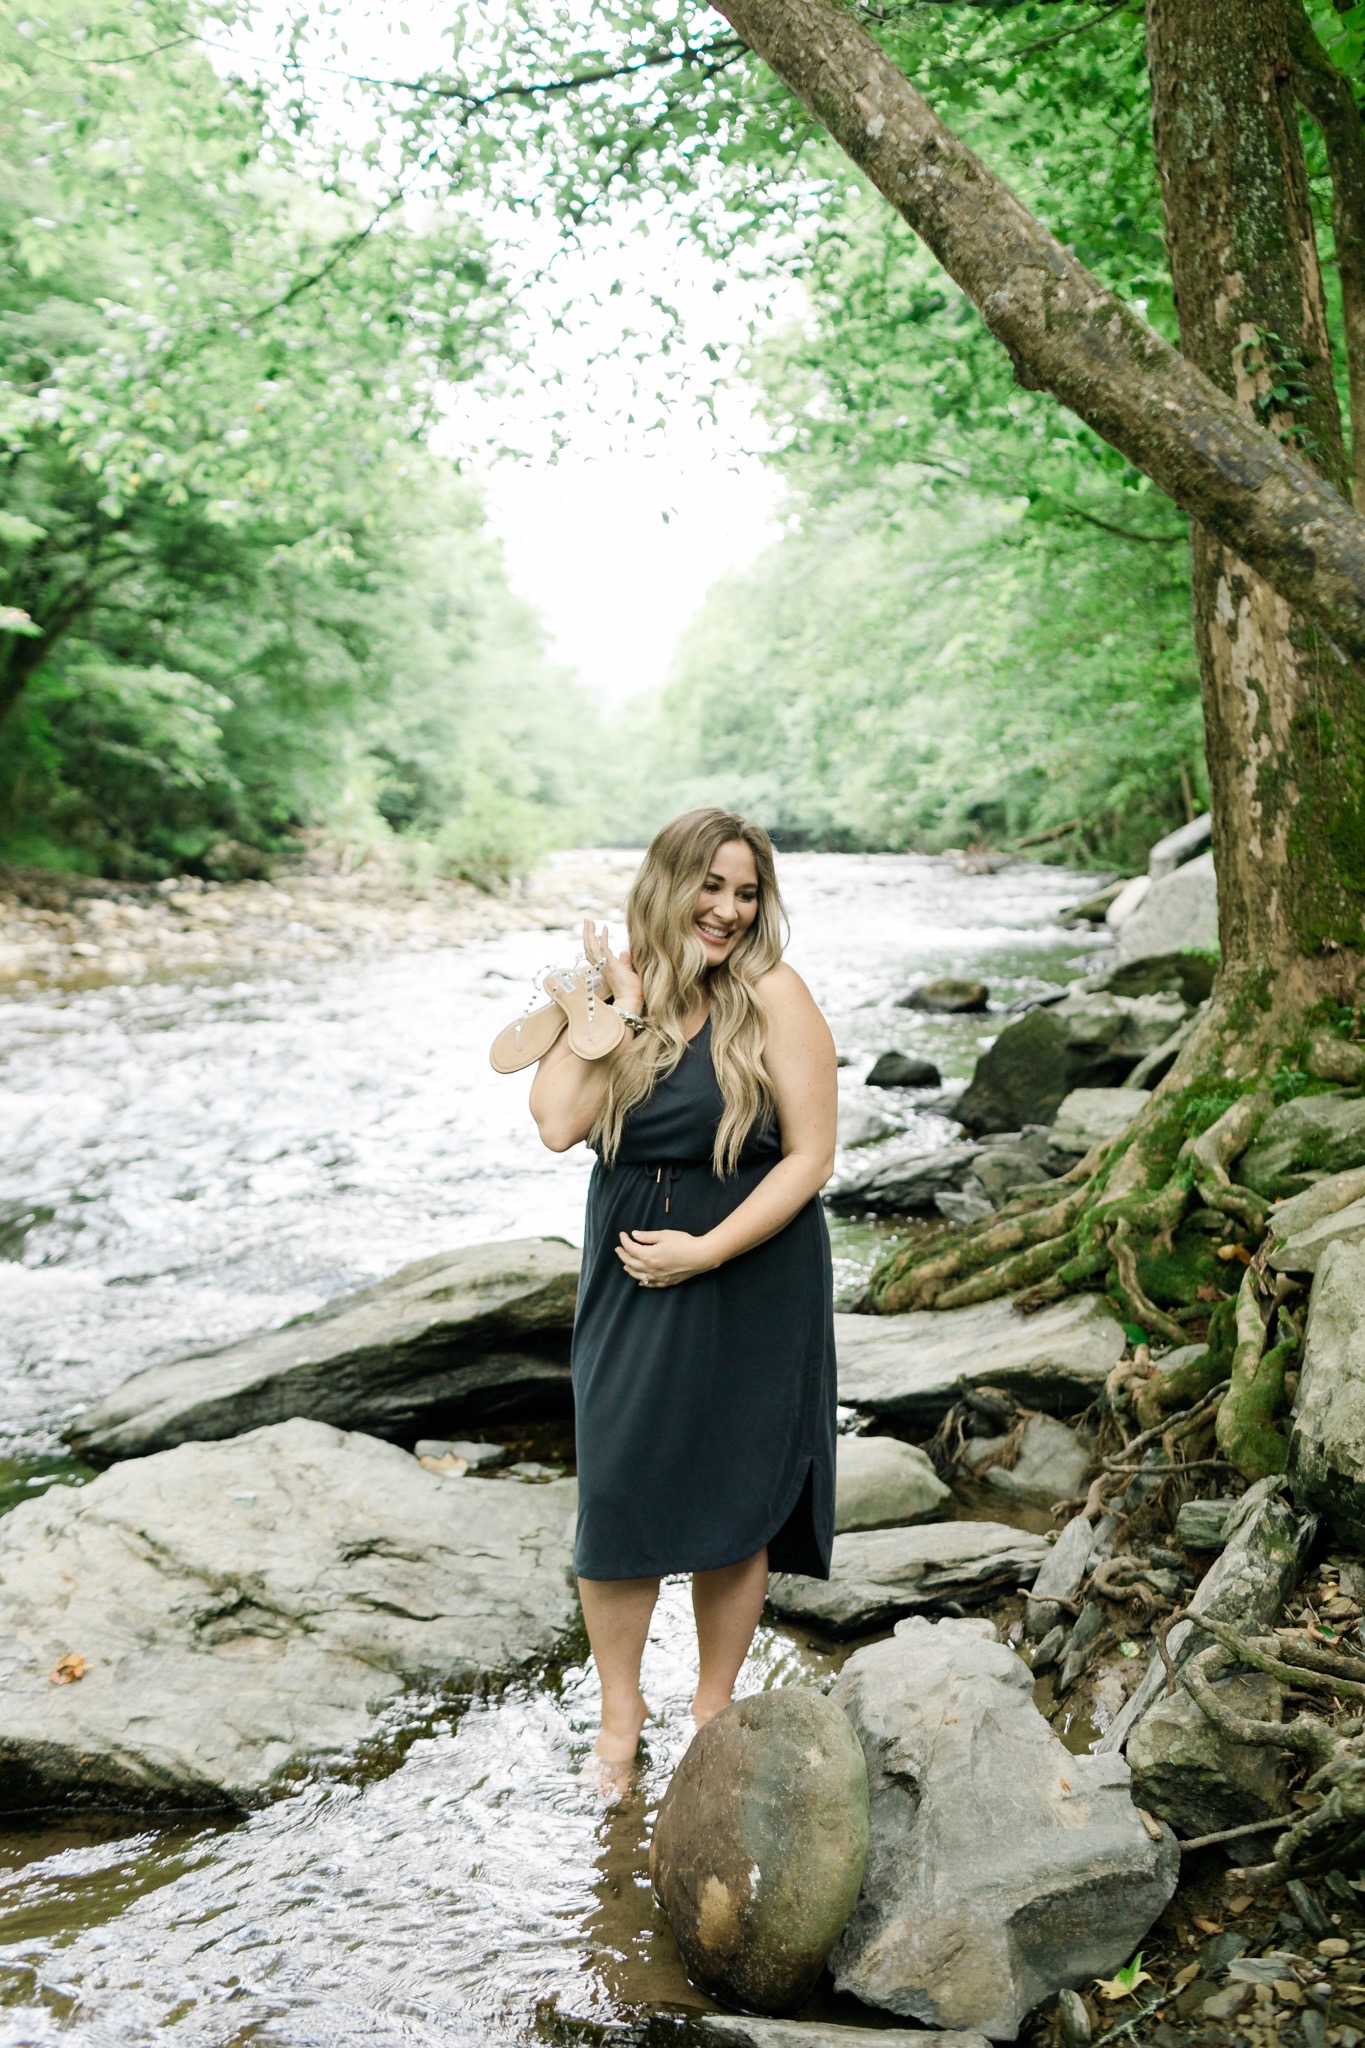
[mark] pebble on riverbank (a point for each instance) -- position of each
(77, 931)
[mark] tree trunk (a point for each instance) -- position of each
(1065, 333)
(1284, 711)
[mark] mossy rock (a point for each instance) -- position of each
(1187, 975)
(1302, 1140)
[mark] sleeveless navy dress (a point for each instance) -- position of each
(704, 1412)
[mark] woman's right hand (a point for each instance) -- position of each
(623, 983)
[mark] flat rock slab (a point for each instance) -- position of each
(877, 1575)
(245, 1608)
(881, 1483)
(453, 1339)
(737, 2030)
(901, 1178)
(907, 1367)
(1001, 1868)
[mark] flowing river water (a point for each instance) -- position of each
(204, 1158)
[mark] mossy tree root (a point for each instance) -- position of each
(1246, 1427)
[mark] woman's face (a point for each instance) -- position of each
(728, 903)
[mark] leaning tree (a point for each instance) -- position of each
(1242, 428)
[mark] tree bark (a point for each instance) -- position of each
(1284, 711)
(1328, 99)
(1065, 333)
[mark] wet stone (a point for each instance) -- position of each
(878, 1574)
(948, 995)
(881, 1482)
(903, 1070)
(250, 1607)
(760, 1844)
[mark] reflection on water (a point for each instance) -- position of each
(216, 1157)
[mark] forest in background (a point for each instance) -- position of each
(246, 601)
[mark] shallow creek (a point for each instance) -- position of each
(205, 1158)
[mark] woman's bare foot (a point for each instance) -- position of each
(705, 1709)
(611, 1764)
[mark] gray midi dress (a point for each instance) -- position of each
(704, 1412)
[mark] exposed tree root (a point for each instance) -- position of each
(1156, 1221)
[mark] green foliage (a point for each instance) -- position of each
(958, 675)
(240, 595)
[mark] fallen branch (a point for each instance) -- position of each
(1248, 1827)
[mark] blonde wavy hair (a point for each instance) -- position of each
(671, 963)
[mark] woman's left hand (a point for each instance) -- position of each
(663, 1258)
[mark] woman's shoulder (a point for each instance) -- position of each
(782, 992)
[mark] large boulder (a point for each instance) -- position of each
(881, 1483)
(760, 1844)
(1246, 1586)
(877, 1575)
(453, 1339)
(1087, 1040)
(907, 1368)
(901, 1178)
(1327, 1439)
(243, 1608)
(1178, 914)
(1001, 1867)
(1302, 1141)
(1180, 846)
(1188, 1772)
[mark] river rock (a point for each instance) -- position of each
(1126, 901)
(1092, 1116)
(863, 1123)
(1331, 1211)
(903, 1070)
(460, 1337)
(738, 2030)
(1188, 975)
(244, 1608)
(901, 1179)
(1187, 1772)
(881, 1483)
(760, 1844)
(1327, 1439)
(948, 996)
(1179, 846)
(906, 1368)
(1052, 1463)
(1087, 1040)
(1304, 1140)
(879, 1574)
(1000, 1866)
(1094, 909)
(1178, 914)
(1265, 1546)
(1060, 1577)
(1001, 1170)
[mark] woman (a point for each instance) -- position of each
(703, 1356)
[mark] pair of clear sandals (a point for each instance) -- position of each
(579, 1005)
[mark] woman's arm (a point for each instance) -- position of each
(801, 1064)
(567, 1093)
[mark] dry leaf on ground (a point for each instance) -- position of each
(68, 1669)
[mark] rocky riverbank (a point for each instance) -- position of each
(77, 931)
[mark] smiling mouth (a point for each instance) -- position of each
(717, 938)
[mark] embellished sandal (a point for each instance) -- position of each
(527, 1040)
(595, 1028)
